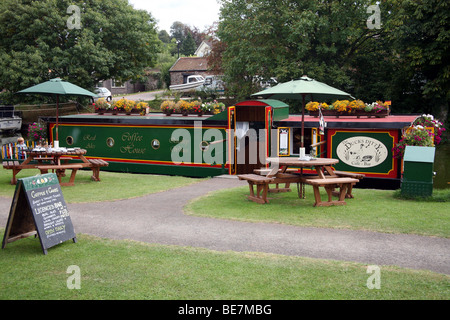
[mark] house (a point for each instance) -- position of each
(117, 88)
(203, 49)
(188, 66)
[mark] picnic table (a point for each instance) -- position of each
(56, 160)
(325, 177)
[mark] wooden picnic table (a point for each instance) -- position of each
(56, 160)
(325, 177)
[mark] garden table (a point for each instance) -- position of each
(325, 177)
(56, 160)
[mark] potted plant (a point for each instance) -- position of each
(348, 108)
(415, 135)
(115, 107)
(218, 107)
(195, 106)
(101, 105)
(182, 106)
(142, 108)
(168, 107)
(37, 132)
(128, 106)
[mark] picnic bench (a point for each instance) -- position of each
(266, 171)
(326, 177)
(262, 182)
(57, 161)
(330, 184)
(96, 164)
(60, 171)
(353, 175)
(262, 186)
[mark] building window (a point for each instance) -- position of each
(117, 84)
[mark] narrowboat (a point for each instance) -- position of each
(236, 141)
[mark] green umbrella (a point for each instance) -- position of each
(58, 87)
(304, 88)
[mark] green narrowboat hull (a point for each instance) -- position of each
(156, 145)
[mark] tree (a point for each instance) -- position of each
(404, 58)
(188, 46)
(187, 38)
(420, 36)
(288, 39)
(40, 41)
(164, 36)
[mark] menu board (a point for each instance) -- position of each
(283, 141)
(39, 208)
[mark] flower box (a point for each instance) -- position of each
(353, 113)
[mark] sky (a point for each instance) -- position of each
(195, 13)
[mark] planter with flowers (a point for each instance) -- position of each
(356, 108)
(142, 108)
(183, 107)
(101, 106)
(168, 107)
(213, 107)
(118, 106)
(128, 106)
(196, 108)
(425, 131)
(37, 132)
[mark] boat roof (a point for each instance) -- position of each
(343, 122)
(351, 122)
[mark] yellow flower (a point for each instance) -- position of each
(312, 106)
(168, 105)
(341, 105)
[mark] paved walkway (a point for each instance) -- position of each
(159, 218)
(150, 95)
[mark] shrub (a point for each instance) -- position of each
(37, 132)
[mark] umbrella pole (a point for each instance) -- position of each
(303, 122)
(57, 116)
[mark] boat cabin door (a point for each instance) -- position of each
(249, 128)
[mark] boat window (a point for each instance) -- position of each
(110, 142)
(69, 140)
(297, 134)
(155, 144)
(204, 145)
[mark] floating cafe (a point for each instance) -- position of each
(237, 140)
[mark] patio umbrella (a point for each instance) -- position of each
(304, 88)
(58, 87)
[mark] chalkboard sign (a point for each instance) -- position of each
(38, 208)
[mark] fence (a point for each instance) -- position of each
(11, 152)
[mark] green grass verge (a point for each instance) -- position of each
(374, 210)
(132, 270)
(113, 185)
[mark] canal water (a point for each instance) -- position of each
(441, 166)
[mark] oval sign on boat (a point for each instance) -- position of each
(362, 152)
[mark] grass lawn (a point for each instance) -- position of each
(374, 210)
(131, 270)
(113, 185)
